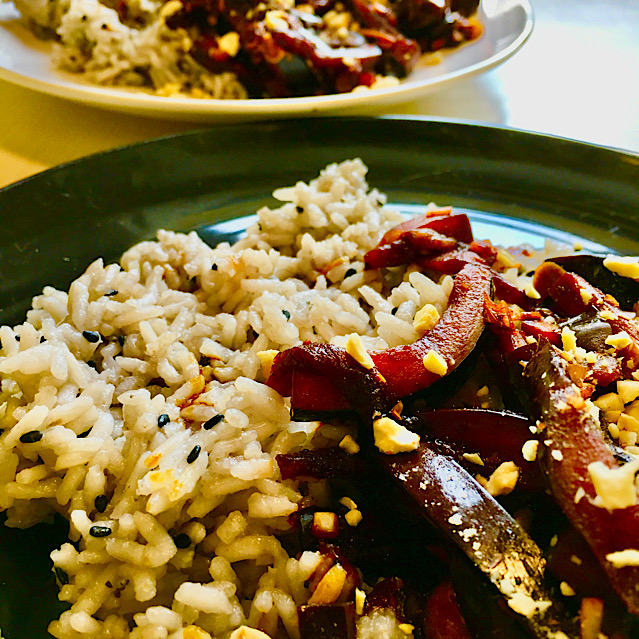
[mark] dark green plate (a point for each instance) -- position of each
(516, 185)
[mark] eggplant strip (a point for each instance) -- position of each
(493, 540)
(496, 436)
(573, 440)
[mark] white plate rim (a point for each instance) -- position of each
(66, 86)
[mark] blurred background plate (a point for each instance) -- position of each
(26, 61)
(517, 187)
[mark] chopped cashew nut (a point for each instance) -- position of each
(391, 437)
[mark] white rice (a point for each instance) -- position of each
(298, 275)
(143, 52)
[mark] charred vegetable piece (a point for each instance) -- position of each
(584, 573)
(540, 328)
(403, 244)
(437, 24)
(409, 247)
(435, 220)
(590, 331)
(327, 621)
(573, 441)
(504, 290)
(452, 261)
(398, 371)
(378, 24)
(307, 387)
(442, 616)
(444, 221)
(387, 593)
(496, 436)
(321, 463)
(572, 294)
(591, 267)
(355, 386)
(493, 540)
(465, 7)
(485, 612)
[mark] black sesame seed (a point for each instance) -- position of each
(100, 531)
(101, 502)
(121, 339)
(214, 267)
(214, 421)
(286, 314)
(31, 437)
(84, 434)
(163, 420)
(205, 361)
(91, 336)
(111, 293)
(299, 209)
(194, 454)
(42, 339)
(351, 271)
(182, 541)
(61, 576)
(17, 338)
(395, 309)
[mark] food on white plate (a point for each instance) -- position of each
(346, 424)
(238, 49)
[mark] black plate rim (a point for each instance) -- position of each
(416, 118)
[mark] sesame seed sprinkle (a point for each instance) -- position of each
(182, 541)
(91, 336)
(194, 454)
(61, 576)
(214, 421)
(101, 502)
(31, 437)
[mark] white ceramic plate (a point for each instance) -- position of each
(25, 60)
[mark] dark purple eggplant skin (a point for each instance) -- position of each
(624, 289)
(465, 7)
(481, 528)
(497, 436)
(572, 441)
(322, 463)
(333, 621)
(484, 610)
